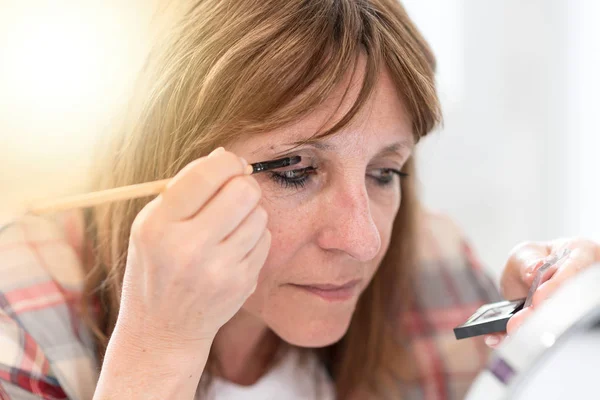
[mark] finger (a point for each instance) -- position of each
(517, 320)
(229, 207)
(257, 257)
(578, 260)
(243, 239)
(199, 181)
(495, 340)
(258, 260)
(523, 260)
(531, 259)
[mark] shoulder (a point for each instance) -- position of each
(438, 237)
(446, 259)
(43, 342)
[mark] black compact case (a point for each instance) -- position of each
(489, 318)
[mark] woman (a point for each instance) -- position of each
(283, 284)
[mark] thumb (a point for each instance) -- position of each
(520, 268)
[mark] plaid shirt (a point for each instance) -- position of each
(46, 352)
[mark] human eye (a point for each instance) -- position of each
(386, 176)
(295, 178)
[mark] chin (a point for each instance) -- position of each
(303, 324)
(312, 334)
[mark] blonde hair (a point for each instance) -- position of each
(240, 67)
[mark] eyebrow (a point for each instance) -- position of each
(403, 145)
(397, 147)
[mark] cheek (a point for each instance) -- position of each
(293, 229)
(292, 258)
(384, 214)
(290, 230)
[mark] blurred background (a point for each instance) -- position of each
(515, 160)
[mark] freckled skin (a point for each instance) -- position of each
(335, 228)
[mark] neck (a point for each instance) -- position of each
(245, 347)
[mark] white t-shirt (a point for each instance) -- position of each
(288, 379)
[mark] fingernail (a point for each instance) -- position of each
(216, 151)
(533, 266)
(492, 340)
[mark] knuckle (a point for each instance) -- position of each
(245, 191)
(191, 166)
(266, 245)
(198, 163)
(523, 246)
(201, 175)
(255, 186)
(137, 226)
(253, 289)
(215, 171)
(261, 216)
(230, 162)
(243, 265)
(254, 183)
(230, 158)
(144, 226)
(522, 251)
(265, 239)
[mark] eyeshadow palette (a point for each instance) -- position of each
(489, 318)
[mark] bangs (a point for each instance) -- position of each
(280, 71)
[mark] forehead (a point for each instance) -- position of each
(383, 118)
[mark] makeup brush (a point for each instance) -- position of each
(130, 192)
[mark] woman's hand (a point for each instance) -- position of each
(195, 252)
(523, 264)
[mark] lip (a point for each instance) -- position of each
(331, 292)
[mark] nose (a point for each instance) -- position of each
(347, 224)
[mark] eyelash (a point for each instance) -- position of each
(296, 183)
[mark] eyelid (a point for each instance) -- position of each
(396, 159)
(397, 167)
(306, 162)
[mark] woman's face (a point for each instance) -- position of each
(330, 216)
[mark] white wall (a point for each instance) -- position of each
(582, 200)
(516, 159)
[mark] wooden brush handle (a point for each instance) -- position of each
(103, 196)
